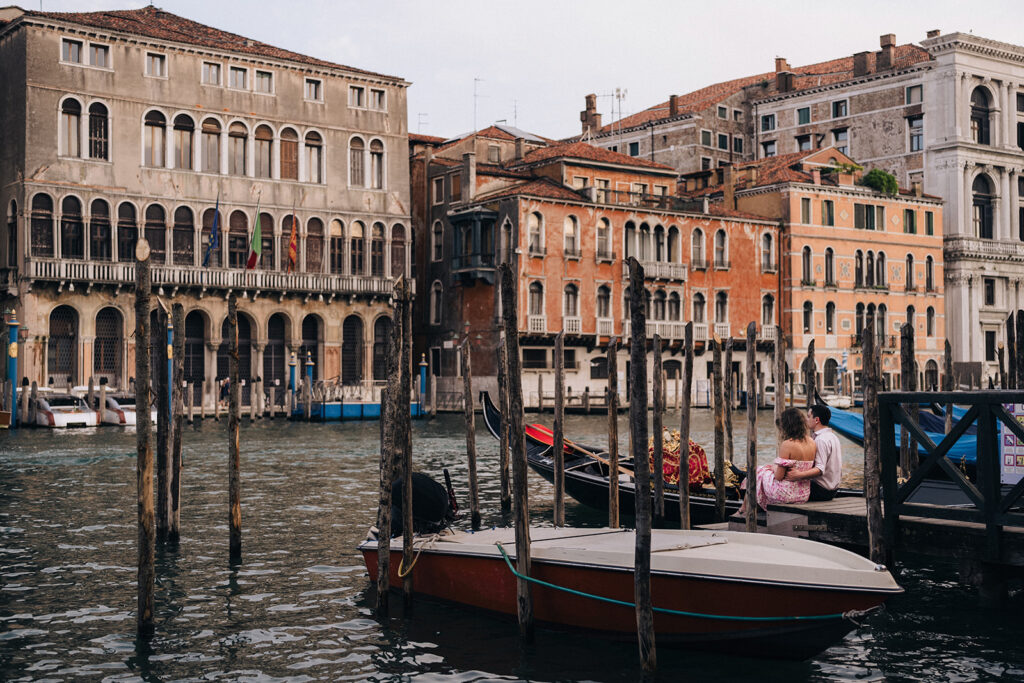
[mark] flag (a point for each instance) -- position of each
(214, 234)
(293, 246)
(256, 245)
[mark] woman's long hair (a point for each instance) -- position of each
(793, 424)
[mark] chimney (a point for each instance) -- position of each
(918, 188)
(816, 176)
(520, 144)
(589, 117)
(861, 64)
(781, 64)
(728, 186)
(934, 33)
(886, 56)
(704, 204)
(752, 175)
(673, 105)
(469, 184)
(784, 81)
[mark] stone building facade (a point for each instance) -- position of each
(116, 127)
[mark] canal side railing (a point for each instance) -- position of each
(990, 507)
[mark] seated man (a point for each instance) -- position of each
(828, 456)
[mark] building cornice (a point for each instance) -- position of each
(848, 190)
(841, 85)
(965, 42)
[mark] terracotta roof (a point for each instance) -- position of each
(542, 187)
(154, 22)
(428, 139)
(717, 208)
(498, 170)
(841, 69)
(583, 150)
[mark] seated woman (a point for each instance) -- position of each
(796, 452)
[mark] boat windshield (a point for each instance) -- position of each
(63, 402)
(125, 401)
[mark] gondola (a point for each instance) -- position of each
(586, 477)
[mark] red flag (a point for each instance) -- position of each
(293, 248)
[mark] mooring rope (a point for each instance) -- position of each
(664, 610)
(427, 543)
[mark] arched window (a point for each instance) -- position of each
(266, 242)
(99, 132)
(672, 254)
(62, 346)
(699, 307)
(697, 249)
(42, 226)
(356, 170)
(437, 242)
(106, 350)
(72, 229)
(831, 374)
(931, 376)
(659, 301)
(238, 240)
(629, 235)
(869, 270)
(12, 234)
(127, 231)
(211, 146)
(183, 237)
(647, 303)
(767, 310)
(436, 303)
(156, 232)
(314, 157)
(808, 317)
(155, 139)
(858, 269)
(721, 307)
(983, 198)
(571, 301)
(535, 231)
(336, 232)
(859, 320)
(275, 354)
(981, 113)
(930, 322)
(645, 243)
(381, 333)
(807, 267)
(238, 140)
(830, 318)
(312, 338)
(881, 317)
(721, 252)
(910, 272)
(929, 274)
(100, 242)
(352, 350)
(314, 245)
(659, 244)
(536, 301)
(571, 228)
(377, 164)
(604, 238)
(264, 138)
(880, 270)
(377, 250)
(604, 302)
(767, 253)
(830, 267)
(184, 131)
(289, 229)
(289, 154)
(674, 307)
(214, 258)
(397, 250)
(355, 247)
(71, 127)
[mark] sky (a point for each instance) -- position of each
(530, 63)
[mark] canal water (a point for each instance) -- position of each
(299, 606)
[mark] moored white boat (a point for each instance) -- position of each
(64, 410)
(747, 593)
(121, 410)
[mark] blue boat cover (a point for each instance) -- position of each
(851, 425)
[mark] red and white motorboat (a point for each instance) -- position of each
(745, 593)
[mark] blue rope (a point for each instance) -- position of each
(698, 615)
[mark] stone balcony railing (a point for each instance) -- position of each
(572, 324)
(113, 273)
(537, 323)
(659, 270)
(666, 329)
(962, 247)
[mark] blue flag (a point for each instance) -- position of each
(214, 234)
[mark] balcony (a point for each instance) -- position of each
(604, 256)
(699, 263)
(639, 199)
(769, 267)
(111, 273)
(722, 330)
(537, 324)
(537, 251)
(806, 282)
(962, 247)
(883, 341)
(659, 270)
(571, 253)
(571, 324)
(666, 329)
(700, 332)
(605, 327)
(767, 333)
(473, 262)
(722, 264)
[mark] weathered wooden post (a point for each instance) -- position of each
(190, 396)
(908, 382)
(143, 447)
(810, 374)
(586, 400)
(202, 400)
(540, 392)
(1000, 350)
(719, 408)
(558, 439)
(33, 405)
(467, 409)
(612, 402)
(657, 470)
(163, 425)
(254, 393)
(1011, 353)
(950, 384)
(684, 429)
(780, 375)
(25, 418)
(1020, 349)
(101, 406)
(641, 468)
(503, 459)
(177, 410)
(750, 480)
(404, 417)
(234, 462)
(90, 396)
(728, 394)
(517, 444)
(433, 395)
(872, 471)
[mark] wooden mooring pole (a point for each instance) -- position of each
(719, 408)
(143, 447)
(1020, 349)
(658, 412)
(727, 399)
(558, 438)
(517, 447)
(506, 489)
(1011, 353)
(177, 417)
(612, 402)
(751, 428)
(470, 415)
(163, 424)
(947, 364)
(908, 382)
(810, 374)
(872, 466)
(234, 462)
(403, 419)
(780, 375)
(684, 428)
(641, 467)
(1001, 358)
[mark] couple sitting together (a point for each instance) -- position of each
(809, 465)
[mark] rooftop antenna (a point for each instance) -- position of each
(476, 96)
(620, 94)
(515, 113)
(420, 119)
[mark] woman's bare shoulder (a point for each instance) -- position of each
(797, 450)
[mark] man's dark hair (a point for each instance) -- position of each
(822, 412)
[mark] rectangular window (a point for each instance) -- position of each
(156, 65)
(737, 115)
(705, 138)
(914, 93)
(841, 140)
(602, 190)
(879, 218)
(1020, 134)
(915, 128)
(828, 212)
(71, 51)
(767, 122)
(865, 215)
(356, 96)
(909, 221)
(1020, 102)
(840, 109)
(634, 149)
(990, 291)
(494, 154)
(705, 163)
(640, 188)
(929, 223)
(211, 73)
(439, 190)
(238, 78)
(805, 210)
(723, 142)
(99, 55)
(803, 116)
(769, 148)
(737, 144)
(377, 100)
(723, 112)
(265, 82)
(990, 345)
(456, 187)
(803, 143)
(535, 358)
(579, 182)
(314, 90)
(660, 190)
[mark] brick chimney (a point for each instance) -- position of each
(816, 176)
(520, 144)
(781, 64)
(728, 186)
(752, 175)
(887, 56)
(861, 65)
(469, 185)
(934, 33)
(673, 105)
(918, 188)
(784, 81)
(589, 117)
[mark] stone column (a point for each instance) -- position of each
(224, 155)
(1014, 204)
(257, 359)
(210, 366)
(1005, 210)
(964, 108)
(967, 207)
(996, 117)
(1009, 107)
(275, 157)
(974, 306)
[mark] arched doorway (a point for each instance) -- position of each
(352, 350)
(244, 353)
(195, 352)
(312, 335)
(107, 349)
(275, 356)
(831, 379)
(931, 376)
(62, 348)
(381, 332)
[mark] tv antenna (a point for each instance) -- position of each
(421, 118)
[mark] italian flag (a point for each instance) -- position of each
(256, 245)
